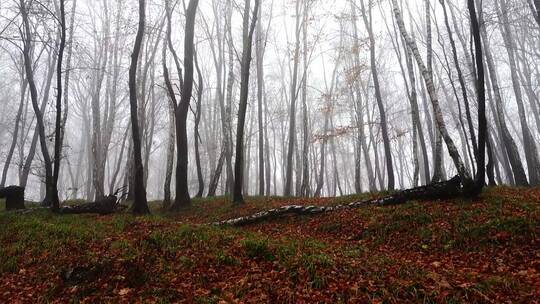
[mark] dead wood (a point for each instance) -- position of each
(435, 191)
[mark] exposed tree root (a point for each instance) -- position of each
(441, 190)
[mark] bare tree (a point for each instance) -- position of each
(51, 193)
(428, 78)
(368, 22)
(248, 30)
(140, 204)
(58, 123)
(294, 96)
(480, 87)
(18, 117)
(182, 198)
(531, 153)
(200, 88)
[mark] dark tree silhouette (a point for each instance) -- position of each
(182, 198)
(244, 87)
(140, 204)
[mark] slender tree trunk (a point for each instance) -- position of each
(24, 84)
(480, 88)
(360, 105)
(99, 155)
(531, 153)
(45, 99)
(197, 138)
(55, 202)
(305, 185)
(260, 92)
(68, 69)
(227, 114)
(292, 110)
(118, 163)
(463, 172)
(182, 198)
(214, 179)
(415, 113)
(460, 78)
(508, 142)
(167, 44)
(248, 30)
(140, 204)
(50, 197)
(378, 96)
(170, 159)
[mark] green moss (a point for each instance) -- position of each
(258, 248)
(223, 258)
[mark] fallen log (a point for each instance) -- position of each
(106, 205)
(14, 196)
(442, 190)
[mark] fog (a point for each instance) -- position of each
(313, 54)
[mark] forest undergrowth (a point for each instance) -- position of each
(454, 251)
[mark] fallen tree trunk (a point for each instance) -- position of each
(14, 196)
(441, 190)
(107, 205)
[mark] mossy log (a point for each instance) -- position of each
(441, 190)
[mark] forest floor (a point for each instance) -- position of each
(455, 251)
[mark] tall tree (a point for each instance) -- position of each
(18, 117)
(294, 96)
(305, 185)
(248, 30)
(259, 51)
(140, 204)
(368, 22)
(480, 88)
(50, 196)
(200, 88)
(359, 106)
(182, 198)
(508, 142)
(531, 152)
(461, 79)
(428, 79)
(58, 123)
(172, 126)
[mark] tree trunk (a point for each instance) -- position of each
(259, 52)
(305, 184)
(50, 196)
(378, 97)
(461, 79)
(248, 30)
(507, 139)
(182, 198)
(45, 99)
(118, 162)
(480, 88)
(197, 138)
(463, 172)
(443, 190)
(531, 153)
(55, 202)
(140, 204)
(359, 104)
(292, 110)
(227, 110)
(15, 132)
